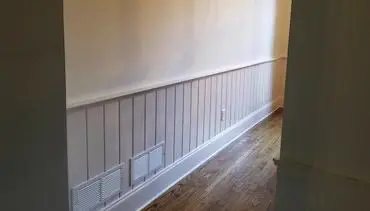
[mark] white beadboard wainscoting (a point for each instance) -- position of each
(191, 120)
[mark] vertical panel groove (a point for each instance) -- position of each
(260, 94)
(126, 139)
(222, 97)
(197, 119)
(165, 125)
(87, 145)
(104, 145)
(242, 90)
(233, 98)
(226, 99)
(183, 117)
(241, 95)
(237, 99)
(178, 121)
(266, 85)
(104, 140)
(247, 89)
(139, 124)
(173, 124)
(150, 121)
(207, 108)
(133, 133)
(161, 116)
(174, 130)
(238, 86)
(210, 110)
(170, 124)
(223, 101)
(231, 103)
(218, 103)
(204, 109)
(191, 115)
(215, 114)
(237, 94)
(119, 138)
(260, 88)
(145, 144)
(213, 106)
(200, 119)
(254, 89)
(156, 118)
(250, 85)
(186, 117)
(119, 132)
(244, 94)
(138, 128)
(194, 114)
(229, 96)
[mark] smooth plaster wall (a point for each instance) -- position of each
(115, 47)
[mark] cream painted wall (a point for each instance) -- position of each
(115, 47)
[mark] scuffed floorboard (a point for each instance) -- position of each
(241, 177)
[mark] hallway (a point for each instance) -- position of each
(119, 105)
(241, 177)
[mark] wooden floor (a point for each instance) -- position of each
(241, 177)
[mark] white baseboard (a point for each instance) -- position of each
(144, 194)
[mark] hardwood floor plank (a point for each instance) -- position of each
(241, 177)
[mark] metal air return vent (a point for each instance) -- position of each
(94, 192)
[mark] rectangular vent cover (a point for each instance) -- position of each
(146, 162)
(111, 184)
(90, 194)
(156, 159)
(139, 167)
(87, 197)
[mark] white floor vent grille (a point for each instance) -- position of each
(90, 194)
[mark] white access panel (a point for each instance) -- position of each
(156, 159)
(139, 167)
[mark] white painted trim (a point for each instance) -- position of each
(122, 91)
(145, 193)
